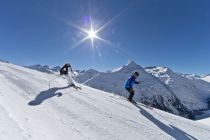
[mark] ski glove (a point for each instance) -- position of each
(138, 82)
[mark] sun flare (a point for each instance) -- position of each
(92, 34)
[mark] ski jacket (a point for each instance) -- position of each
(64, 69)
(130, 82)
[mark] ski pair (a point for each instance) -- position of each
(135, 103)
(75, 87)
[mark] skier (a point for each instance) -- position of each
(129, 86)
(65, 71)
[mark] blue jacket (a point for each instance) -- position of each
(130, 82)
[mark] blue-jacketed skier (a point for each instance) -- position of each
(129, 85)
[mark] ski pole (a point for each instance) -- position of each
(57, 76)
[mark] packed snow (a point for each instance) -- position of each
(205, 121)
(31, 109)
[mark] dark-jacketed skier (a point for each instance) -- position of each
(129, 85)
(68, 75)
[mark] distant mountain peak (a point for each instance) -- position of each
(92, 70)
(132, 63)
(158, 69)
(3, 61)
(129, 66)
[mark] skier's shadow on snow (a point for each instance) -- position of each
(44, 95)
(171, 130)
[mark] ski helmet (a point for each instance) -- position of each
(136, 73)
(68, 65)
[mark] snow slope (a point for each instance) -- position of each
(205, 121)
(29, 110)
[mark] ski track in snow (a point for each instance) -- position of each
(16, 127)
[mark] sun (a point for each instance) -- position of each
(92, 34)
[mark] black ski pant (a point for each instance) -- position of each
(131, 91)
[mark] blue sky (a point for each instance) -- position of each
(151, 32)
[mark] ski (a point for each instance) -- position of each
(140, 104)
(147, 106)
(77, 87)
(133, 102)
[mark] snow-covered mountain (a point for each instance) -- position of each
(194, 76)
(30, 110)
(160, 87)
(44, 68)
(85, 76)
(206, 78)
(193, 93)
(190, 76)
